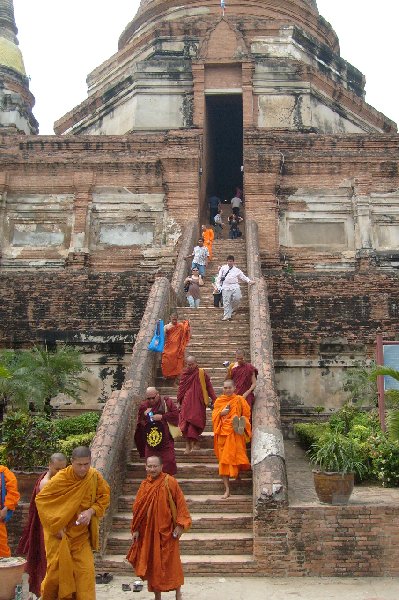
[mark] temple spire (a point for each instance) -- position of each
(8, 28)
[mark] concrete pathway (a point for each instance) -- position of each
(260, 588)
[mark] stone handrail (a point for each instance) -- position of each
(114, 438)
(268, 463)
(190, 237)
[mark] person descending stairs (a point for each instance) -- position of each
(220, 541)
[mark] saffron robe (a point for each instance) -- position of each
(229, 446)
(170, 414)
(155, 556)
(190, 397)
(176, 340)
(11, 498)
(70, 561)
(208, 236)
(32, 546)
(242, 377)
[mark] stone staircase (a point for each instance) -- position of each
(220, 540)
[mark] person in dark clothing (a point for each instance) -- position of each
(214, 205)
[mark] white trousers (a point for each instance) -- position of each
(231, 300)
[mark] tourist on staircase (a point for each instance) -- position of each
(160, 515)
(195, 393)
(177, 336)
(208, 235)
(200, 257)
(244, 377)
(234, 224)
(236, 205)
(227, 281)
(218, 224)
(232, 431)
(192, 285)
(214, 205)
(157, 417)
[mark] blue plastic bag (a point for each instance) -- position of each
(158, 341)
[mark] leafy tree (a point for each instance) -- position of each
(393, 400)
(37, 375)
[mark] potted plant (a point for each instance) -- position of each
(337, 459)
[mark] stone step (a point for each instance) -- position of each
(194, 486)
(237, 542)
(203, 503)
(205, 522)
(188, 471)
(194, 565)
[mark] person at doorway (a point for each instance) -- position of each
(232, 431)
(177, 336)
(236, 204)
(244, 375)
(200, 257)
(31, 543)
(162, 411)
(227, 281)
(192, 284)
(160, 516)
(214, 205)
(208, 235)
(234, 223)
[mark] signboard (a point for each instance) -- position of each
(391, 359)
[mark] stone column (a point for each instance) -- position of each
(79, 248)
(247, 94)
(3, 210)
(198, 71)
(362, 213)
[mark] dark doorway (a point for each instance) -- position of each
(224, 144)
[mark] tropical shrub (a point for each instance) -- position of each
(85, 423)
(66, 446)
(334, 452)
(28, 440)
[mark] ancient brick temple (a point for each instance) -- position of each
(193, 103)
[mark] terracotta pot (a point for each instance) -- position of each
(26, 482)
(10, 577)
(333, 488)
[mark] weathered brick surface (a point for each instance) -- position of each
(328, 541)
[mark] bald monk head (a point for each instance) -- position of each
(191, 362)
(152, 395)
(173, 318)
(57, 462)
(81, 461)
(240, 357)
(229, 387)
(153, 466)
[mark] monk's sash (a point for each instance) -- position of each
(205, 395)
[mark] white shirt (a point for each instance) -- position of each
(236, 202)
(231, 280)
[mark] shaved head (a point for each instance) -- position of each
(58, 456)
(191, 362)
(81, 452)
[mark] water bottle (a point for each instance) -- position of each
(150, 415)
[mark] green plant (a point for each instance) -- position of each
(71, 442)
(308, 433)
(3, 457)
(384, 455)
(334, 452)
(29, 440)
(85, 423)
(393, 413)
(361, 388)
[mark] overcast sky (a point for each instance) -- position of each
(63, 40)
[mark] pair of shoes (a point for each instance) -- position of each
(126, 587)
(104, 577)
(239, 425)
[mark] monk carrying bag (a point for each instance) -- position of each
(154, 435)
(158, 340)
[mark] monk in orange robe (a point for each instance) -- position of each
(208, 235)
(232, 430)
(9, 497)
(160, 515)
(177, 336)
(69, 507)
(31, 543)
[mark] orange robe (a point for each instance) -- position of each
(208, 236)
(10, 501)
(70, 562)
(176, 340)
(156, 554)
(230, 447)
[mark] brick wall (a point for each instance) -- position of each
(44, 305)
(328, 541)
(307, 309)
